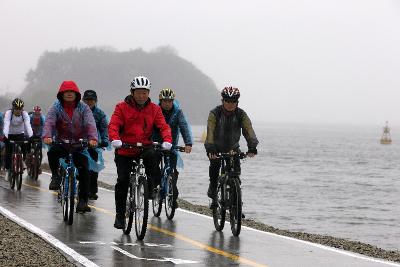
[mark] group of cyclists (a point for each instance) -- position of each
(135, 120)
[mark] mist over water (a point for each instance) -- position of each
(337, 181)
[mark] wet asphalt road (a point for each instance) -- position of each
(189, 239)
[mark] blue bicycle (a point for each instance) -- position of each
(68, 173)
(165, 192)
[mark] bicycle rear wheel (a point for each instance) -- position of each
(142, 207)
(169, 199)
(219, 211)
(18, 177)
(235, 209)
(71, 197)
(129, 210)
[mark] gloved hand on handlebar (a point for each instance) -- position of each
(116, 143)
(166, 146)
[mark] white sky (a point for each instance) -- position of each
(295, 61)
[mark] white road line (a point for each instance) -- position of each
(343, 252)
(174, 261)
(49, 238)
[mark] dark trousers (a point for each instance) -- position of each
(215, 166)
(81, 162)
(9, 147)
(124, 167)
(93, 175)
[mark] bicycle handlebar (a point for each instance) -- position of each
(19, 142)
(241, 155)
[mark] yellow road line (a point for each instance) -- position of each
(177, 236)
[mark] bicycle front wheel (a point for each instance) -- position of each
(219, 210)
(63, 196)
(71, 197)
(157, 204)
(34, 168)
(169, 199)
(129, 210)
(142, 207)
(235, 210)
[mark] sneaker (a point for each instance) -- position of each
(243, 217)
(55, 183)
(81, 207)
(93, 196)
(119, 221)
(87, 208)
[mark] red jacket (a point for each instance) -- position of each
(133, 124)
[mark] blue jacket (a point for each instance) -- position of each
(37, 126)
(178, 123)
(101, 124)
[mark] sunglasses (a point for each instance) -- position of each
(230, 100)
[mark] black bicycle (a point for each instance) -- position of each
(69, 183)
(229, 194)
(34, 158)
(17, 167)
(166, 189)
(137, 202)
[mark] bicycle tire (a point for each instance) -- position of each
(169, 199)
(142, 207)
(34, 168)
(219, 211)
(157, 204)
(64, 198)
(235, 210)
(12, 179)
(129, 210)
(71, 197)
(19, 181)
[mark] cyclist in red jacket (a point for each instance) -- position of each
(132, 122)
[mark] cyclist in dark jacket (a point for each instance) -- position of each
(176, 120)
(224, 127)
(90, 98)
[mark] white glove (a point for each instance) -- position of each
(166, 146)
(116, 143)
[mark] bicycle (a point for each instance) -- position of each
(166, 189)
(17, 167)
(35, 158)
(229, 194)
(137, 202)
(69, 183)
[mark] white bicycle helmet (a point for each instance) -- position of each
(140, 82)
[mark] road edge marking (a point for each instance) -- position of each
(324, 247)
(60, 246)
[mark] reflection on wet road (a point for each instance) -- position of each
(189, 239)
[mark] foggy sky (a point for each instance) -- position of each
(295, 61)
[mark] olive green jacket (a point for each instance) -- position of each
(225, 128)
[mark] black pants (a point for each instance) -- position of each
(81, 162)
(37, 139)
(93, 175)
(9, 147)
(215, 166)
(124, 166)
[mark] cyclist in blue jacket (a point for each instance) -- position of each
(90, 98)
(175, 118)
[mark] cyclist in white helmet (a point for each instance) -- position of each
(17, 127)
